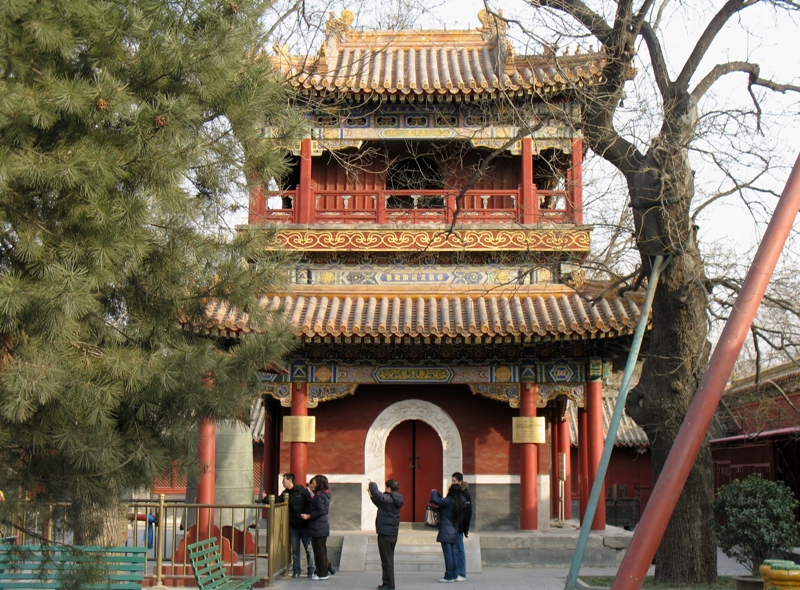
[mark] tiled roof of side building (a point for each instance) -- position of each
(566, 316)
(431, 62)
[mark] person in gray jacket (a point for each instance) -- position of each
(387, 525)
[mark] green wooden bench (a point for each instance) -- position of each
(209, 569)
(61, 566)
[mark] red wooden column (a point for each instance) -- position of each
(527, 196)
(268, 475)
(583, 460)
(305, 205)
(298, 461)
(576, 180)
(563, 447)
(594, 411)
(207, 457)
(258, 203)
(554, 434)
(529, 466)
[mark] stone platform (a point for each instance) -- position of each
(417, 549)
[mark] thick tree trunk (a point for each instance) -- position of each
(675, 357)
(102, 525)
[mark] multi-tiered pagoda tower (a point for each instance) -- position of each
(436, 206)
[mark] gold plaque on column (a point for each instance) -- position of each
(299, 429)
(528, 429)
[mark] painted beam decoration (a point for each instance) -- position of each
(542, 240)
(497, 382)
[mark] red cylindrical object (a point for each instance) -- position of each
(529, 467)
(207, 456)
(594, 414)
(583, 461)
(563, 449)
(298, 462)
(667, 490)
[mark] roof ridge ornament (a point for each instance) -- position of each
(494, 31)
(339, 27)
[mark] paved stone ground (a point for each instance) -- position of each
(492, 578)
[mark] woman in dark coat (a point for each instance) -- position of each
(451, 518)
(319, 527)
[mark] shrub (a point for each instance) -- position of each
(756, 520)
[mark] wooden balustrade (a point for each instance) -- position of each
(412, 207)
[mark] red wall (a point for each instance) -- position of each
(768, 414)
(341, 427)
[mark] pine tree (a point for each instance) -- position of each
(125, 126)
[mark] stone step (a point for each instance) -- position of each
(403, 549)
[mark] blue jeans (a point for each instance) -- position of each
(296, 536)
(460, 557)
(449, 550)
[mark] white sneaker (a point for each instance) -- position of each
(313, 577)
(461, 579)
(445, 580)
(325, 577)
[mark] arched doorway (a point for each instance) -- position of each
(414, 458)
(375, 446)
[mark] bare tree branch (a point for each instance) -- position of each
(593, 22)
(753, 70)
(660, 73)
(708, 36)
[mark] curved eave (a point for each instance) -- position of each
(436, 318)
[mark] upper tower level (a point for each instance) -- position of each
(422, 128)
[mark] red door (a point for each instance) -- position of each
(414, 458)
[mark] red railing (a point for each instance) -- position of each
(412, 207)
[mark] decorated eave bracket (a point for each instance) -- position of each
(560, 378)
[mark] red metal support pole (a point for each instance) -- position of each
(529, 467)
(661, 505)
(298, 462)
(594, 414)
(583, 460)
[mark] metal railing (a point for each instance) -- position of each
(254, 538)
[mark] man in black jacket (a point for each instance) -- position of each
(299, 503)
(461, 556)
(387, 525)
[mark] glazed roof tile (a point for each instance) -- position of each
(554, 316)
(430, 62)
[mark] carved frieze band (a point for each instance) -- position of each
(574, 391)
(503, 392)
(317, 392)
(433, 240)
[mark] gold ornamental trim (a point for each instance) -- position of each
(538, 240)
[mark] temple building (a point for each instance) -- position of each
(443, 319)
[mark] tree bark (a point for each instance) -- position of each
(677, 350)
(102, 525)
